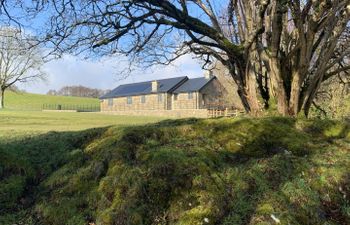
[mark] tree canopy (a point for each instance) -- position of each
(20, 60)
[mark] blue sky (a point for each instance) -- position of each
(104, 73)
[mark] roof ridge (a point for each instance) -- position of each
(144, 82)
(144, 87)
(191, 85)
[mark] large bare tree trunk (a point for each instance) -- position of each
(278, 86)
(294, 101)
(249, 98)
(251, 90)
(255, 106)
(242, 91)
(247, 86)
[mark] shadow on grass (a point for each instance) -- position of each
(28, 161)
(190, 171)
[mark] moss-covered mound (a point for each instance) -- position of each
(219, 171)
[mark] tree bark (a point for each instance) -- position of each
(311, 96)
(255, 106)
(2, 96)
(251, 90)
(294, 101)
(249, 98)
(242, 92)
(246, 82)
(278, 87)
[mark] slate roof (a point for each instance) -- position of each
(195, 84)
(165, 85)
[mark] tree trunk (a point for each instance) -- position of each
(2, 96)
(278, 87)
(249, 99)
(243, 96)
(248, 96)
(246, 82)
(251, 90)
(294, 101)
(310, 98)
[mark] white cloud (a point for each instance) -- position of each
(102, 74)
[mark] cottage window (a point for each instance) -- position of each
(175, 97)
(143, 99)
(204, 97)
(129, 100)
(110, 102)
(160, 97)
(190, 95)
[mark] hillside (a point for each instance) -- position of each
(215, 171)
(27, 101)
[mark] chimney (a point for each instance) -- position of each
(208, 74)
(155, 86)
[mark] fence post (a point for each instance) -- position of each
(82, 107)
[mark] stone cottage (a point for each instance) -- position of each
(179, 96)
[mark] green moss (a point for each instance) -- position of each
(215, 171)
(265, 209)
(330, 129)
(11, 190)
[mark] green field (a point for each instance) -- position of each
(38, 122)
(59, 168)
(190, 171)
(27, 101)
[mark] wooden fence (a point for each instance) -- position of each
(219, 112)
(74, 107)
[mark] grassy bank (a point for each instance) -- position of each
(219, 171)
(28, 101)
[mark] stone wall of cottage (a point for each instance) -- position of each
(152, 102)
(188, 100)
(176, 113)
(212, 96)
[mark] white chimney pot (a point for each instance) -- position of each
(208, 74)
(155, 86)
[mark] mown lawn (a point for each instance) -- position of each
(29, 122)
(191, 172)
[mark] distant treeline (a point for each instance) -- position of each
(16, 89)
(78, 91)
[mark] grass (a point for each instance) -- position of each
(215, 171)
(20, 122)
(27, 101)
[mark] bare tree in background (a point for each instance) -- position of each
(20, 61)
(333, 98)
(78, 91)
(273, 49)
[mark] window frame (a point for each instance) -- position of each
(204, 97)
(143, 99)
(129, 100)
(160, 97)
(110, 102)
(176, 96)
(190, 95)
